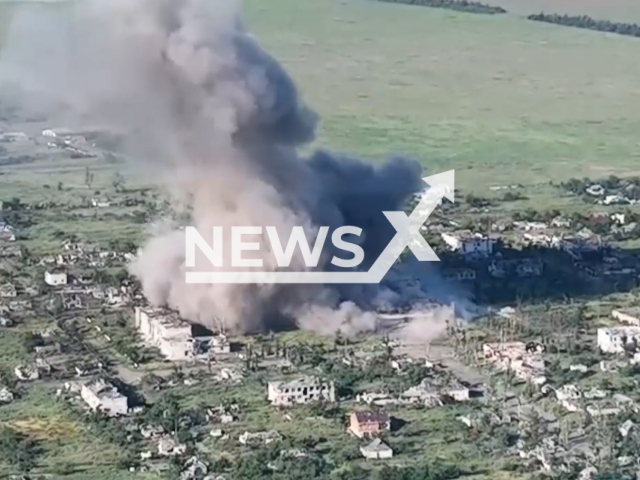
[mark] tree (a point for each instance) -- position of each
(165, 412)
(118, 182)
(88, 177)
(18, 449)
(388, 347)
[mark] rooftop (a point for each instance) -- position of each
(103, 389)
(377, 446)
(297, 383)
(370, 417)
(171, 320)
(621, 330)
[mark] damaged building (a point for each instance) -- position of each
(302, 390)
(523, 359)
(101, 395)
(177, 339)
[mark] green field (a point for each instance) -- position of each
(498, 98)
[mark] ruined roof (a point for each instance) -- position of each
(371, 417)
(103, 389)
(297, 383)
(621, 330)
(170, 319)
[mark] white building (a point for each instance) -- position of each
(55, 278)
(220, 344)
(7, 232)
(177, 339)
(302, 390)
(103, 396)
(477, 245)
(100, 203)
(168, 446)
(614, 340)
(257, 438)
(525, 361)
(376, 450)
(165, 331)
(8, 290)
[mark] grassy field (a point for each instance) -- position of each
(498, 98)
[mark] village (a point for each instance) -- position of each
(540, 383)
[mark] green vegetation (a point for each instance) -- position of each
(456, 5)
(614, 10)
(584, 21)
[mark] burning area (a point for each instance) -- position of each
(218, 123)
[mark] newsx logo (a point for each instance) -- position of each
(407, 235)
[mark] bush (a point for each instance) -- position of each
(18, 449)
(513, 196)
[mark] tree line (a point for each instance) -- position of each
(457, 5)
(584, 21)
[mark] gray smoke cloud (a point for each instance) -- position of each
(219, 122)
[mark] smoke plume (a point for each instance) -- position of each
(219, 122)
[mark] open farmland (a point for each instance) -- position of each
(499, 99)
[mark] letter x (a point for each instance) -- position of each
(408, 227)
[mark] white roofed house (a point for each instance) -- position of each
(220, 344)
(8, 290)
(101, 395)
(7, 232)
(55, 278)
(628, 316)
(470, 246)
(302, 390)
(618, 339)
(164, 330)
(376, 450)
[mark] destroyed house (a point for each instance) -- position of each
(177, 339)
(102, 395)
(298, 391)
(8, 251)
(368, 423)
(618, 339)
(525, 360)
(7, 233)
(55, 278)
(8, 290)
